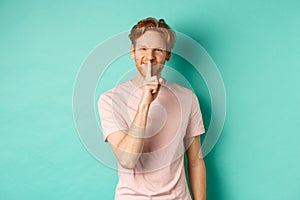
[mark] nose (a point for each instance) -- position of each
(150, 55)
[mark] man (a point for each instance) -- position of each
(149, 122)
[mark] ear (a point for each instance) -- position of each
(168, 56)
(132, 54)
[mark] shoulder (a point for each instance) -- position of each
(116, 92)
(180, 90)
(187, 98)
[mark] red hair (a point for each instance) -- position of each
(155, 25)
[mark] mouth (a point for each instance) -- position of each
(146, 64)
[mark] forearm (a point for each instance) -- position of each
(197, 176)
(131, 145)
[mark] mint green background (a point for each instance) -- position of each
(255, 45)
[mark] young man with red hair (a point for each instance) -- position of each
(149, 122)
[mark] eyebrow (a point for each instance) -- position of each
(140, 46)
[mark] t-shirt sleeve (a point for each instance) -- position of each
(195, 126)
(111, 119)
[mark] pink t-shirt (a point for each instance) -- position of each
(173, 116)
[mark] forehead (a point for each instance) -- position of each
(151, 39)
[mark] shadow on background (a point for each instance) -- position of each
(214, 184)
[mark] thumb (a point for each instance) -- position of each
(161, 80)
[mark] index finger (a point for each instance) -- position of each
(148, 71)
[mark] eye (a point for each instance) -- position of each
(143, 49)
(158, 50)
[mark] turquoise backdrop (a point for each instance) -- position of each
(255, 45)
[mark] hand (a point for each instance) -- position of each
(151, 86)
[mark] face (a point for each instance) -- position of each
(150, 48)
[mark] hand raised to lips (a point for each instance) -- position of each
(152, 79)
(151, 85)
(148, 71)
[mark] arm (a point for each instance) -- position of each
(196, 169)
(127, 146)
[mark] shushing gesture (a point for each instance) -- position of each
(151, 85)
